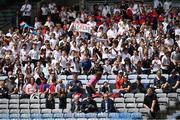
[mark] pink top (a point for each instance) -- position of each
(92, 81)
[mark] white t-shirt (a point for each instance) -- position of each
(169, 42)
(156, 65)
(26, 9)
(53, 43)
(34, 54)
(23, 55)
(56, 55)
(107, 69)
(166, 61)
(111, 33)
(44, 10)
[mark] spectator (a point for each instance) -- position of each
(3, 90)
(61, 92)
(43, 87)
(90, 86)
(11, 85)
(159, 81)
(89, 105)
(26, 10)
(107, 104)
(137, 87)
(119, 80)
(105, 87)
(76, 104)
(30, 88)
(75, 86)
(50, 102)
(151, 103)
(173, 82)
(126, 85)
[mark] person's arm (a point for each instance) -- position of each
(22, 8)
(153, 105)
(176, 85)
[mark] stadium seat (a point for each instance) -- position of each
(35, 111)
(139, 100)
(48, 111)
(163, 101)
(14, 116)
(43, 106)
(132, 77)
(152, 76)
(144, 111)
(128, 95)
(47, 116)
(131, 105)
(119, 100)
(111, 77)
(143, 76)
(25, 116)
(4, 101)
(120, 105)
(4, 111)
(136, 115)
(34, 106)
(140, 105)
(14, 96)
(158, 90)
(132, 110)
(102, 115)
(58, 115)
(13, 106)
(161, 95)
(35, 116)
(115, 90)
(14, 111)
(79, 115)
(91, 115)
(114, 115)
(68, 115)
(139, 95)
(98, 100)
(24, 111)
(82, 77)
(129, 100)
(14, 101)
(24, 101)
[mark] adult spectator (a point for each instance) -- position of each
(75, 86)
(89, 105)
(159, 80)
(11, 85)
(62, 94)
(76, 104)
(26, 10)
(151, 103)
(119, 80)
(173, 82)
(105, 87)
(107, 104)
(138, 87)
(126, 85)
(44, 86)
(3, 90)
(50, 102)
(90, 86)
(30, 88)
(85, 64)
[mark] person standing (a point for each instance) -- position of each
(90, 86)
(151, 102)
(26, 10)
(107, 104)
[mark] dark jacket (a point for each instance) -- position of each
(110, 105)
(50, 103)
(73, 107)
(89, 106)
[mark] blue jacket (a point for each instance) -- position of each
(110, 104)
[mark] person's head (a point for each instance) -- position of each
(125, 78)
(105, 96)
(75, 77)
(158, 73)
(105, 83)
(149, 91)
(32, 80)
(120, 74)
(98, 75)
(43, 80)
(138, 79)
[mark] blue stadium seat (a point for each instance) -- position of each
(80, 115)
(91, 115)
(114, 115)
(58, 115)
(68, 115)
(4, 116)
(35, 116)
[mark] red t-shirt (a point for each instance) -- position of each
(119, 83)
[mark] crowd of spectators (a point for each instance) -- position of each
(129, 38)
